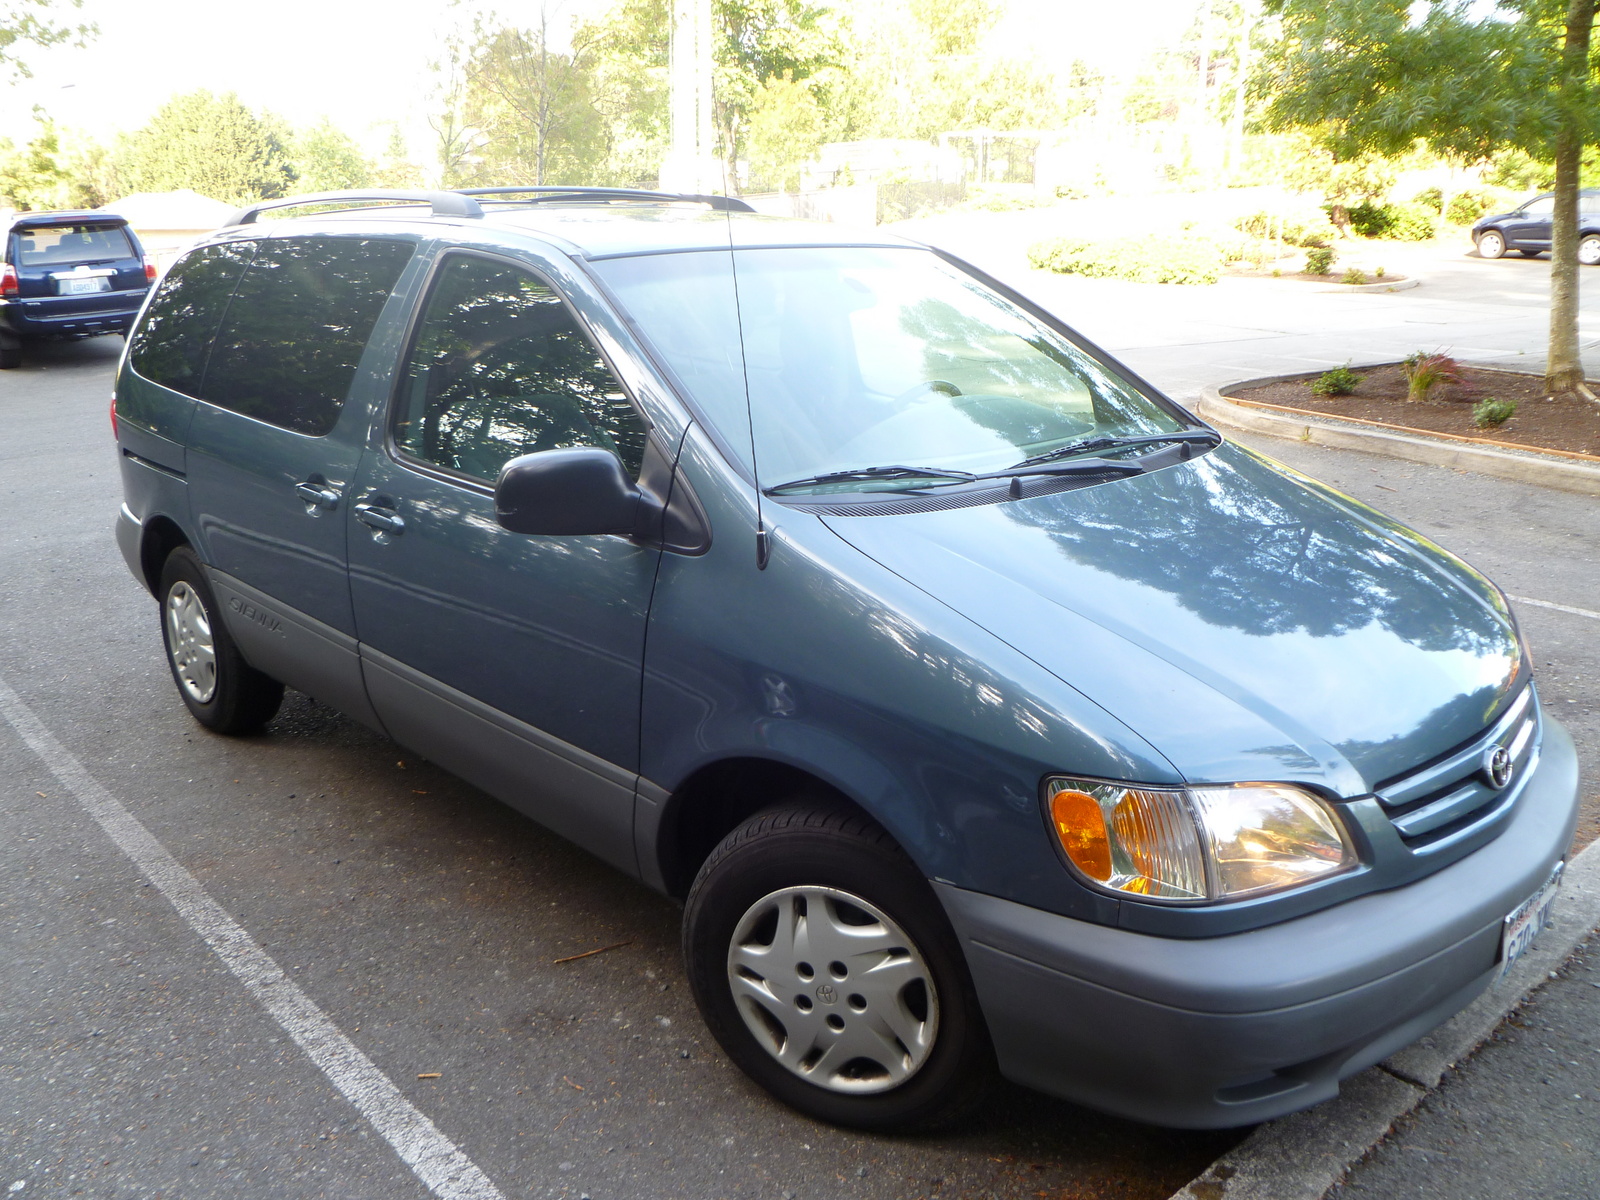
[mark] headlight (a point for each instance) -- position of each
(1196, 844)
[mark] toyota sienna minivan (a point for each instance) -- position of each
(989, 713)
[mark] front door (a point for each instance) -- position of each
(514, 661)
(1529, 229)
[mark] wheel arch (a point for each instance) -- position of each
(160, 536)
(718, 797)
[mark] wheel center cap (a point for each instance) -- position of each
(826, 994)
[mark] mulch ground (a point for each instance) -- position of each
(1560, 423)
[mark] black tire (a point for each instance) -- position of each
(1491, 244)
(10, 358)
(1528, 253)
(232, 697)
(1589, 249)
(817, 845)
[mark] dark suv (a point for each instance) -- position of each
(69, 275)
(986, 709)
(1526, 229)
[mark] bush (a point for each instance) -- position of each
(1306, 228)
(1466, 207)
(1340, 381)
(1424, 372)
(1319, 260)
(1488, 413)
(1354, 275)
(1403, 222)
(1140, 259)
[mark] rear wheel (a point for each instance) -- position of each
(825, 968)
(221, 690)
(1589, 249)
(1491, 244)
(1528, 253)
(10, 354)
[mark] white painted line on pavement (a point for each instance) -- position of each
(435, 1159)
(1566, 608)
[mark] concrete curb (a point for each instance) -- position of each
(1330, 431)
(1301, 1156)
(1398, 286)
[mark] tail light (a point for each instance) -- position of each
(8, 280)
(149, 269)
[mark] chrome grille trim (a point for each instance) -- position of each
(1449, 799)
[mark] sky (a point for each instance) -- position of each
(364, 63)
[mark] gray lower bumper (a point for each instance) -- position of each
(1213, 1032)
(128, 531)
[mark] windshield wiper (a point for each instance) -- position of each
(1193, 436)
(866, 473)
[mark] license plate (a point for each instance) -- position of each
(82, 287)
(1528, 920)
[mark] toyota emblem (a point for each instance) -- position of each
(1497, 766)
(826, 994)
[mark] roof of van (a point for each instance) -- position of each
(613, 230)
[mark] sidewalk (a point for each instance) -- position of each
(1521, 1117)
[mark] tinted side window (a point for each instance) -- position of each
(1542, 207)
(500, 368)
(172, 342)
(293, 336)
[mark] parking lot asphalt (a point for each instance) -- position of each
(424, 920)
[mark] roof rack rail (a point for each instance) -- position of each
(536, 194)
(444, 204)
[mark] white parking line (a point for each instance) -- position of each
(435, 1159)
(1566, 608)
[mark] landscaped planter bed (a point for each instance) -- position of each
(1568, 426)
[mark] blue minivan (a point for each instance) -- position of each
(68, 275)
(990, 714)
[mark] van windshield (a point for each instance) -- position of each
(63, 245)
(861, 357)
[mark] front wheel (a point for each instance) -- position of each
(1491, 244)
(824, 966)
(222, 691)
(1589, 249)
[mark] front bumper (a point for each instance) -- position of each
(1215, 1032)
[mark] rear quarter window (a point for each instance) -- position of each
(293, 334)
(171, 344)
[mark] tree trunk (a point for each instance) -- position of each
(1564, 368)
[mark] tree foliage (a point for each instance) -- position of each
(32, 176)
(34, 23)
(213, 144)
(326, 159)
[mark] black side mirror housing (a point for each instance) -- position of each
(580, 490)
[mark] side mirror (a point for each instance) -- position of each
(581, 490)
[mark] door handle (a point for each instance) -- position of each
(380, 519)
(317, 495)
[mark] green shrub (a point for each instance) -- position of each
(1319, 260)
(1466, 207)
(1431, 199)
(1340, 381)
(1302, 228)
(1403, 222)
(1424, 372)
(1489, 412)
(1354, 275)
(1139, 259)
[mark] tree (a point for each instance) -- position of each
(326, 159)
(533, 104)
(33, 177)
(213, 144)
(25, 23)
(1380, 75)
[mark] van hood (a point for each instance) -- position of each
(1249, 622)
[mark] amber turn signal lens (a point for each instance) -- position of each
(1081, 826)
